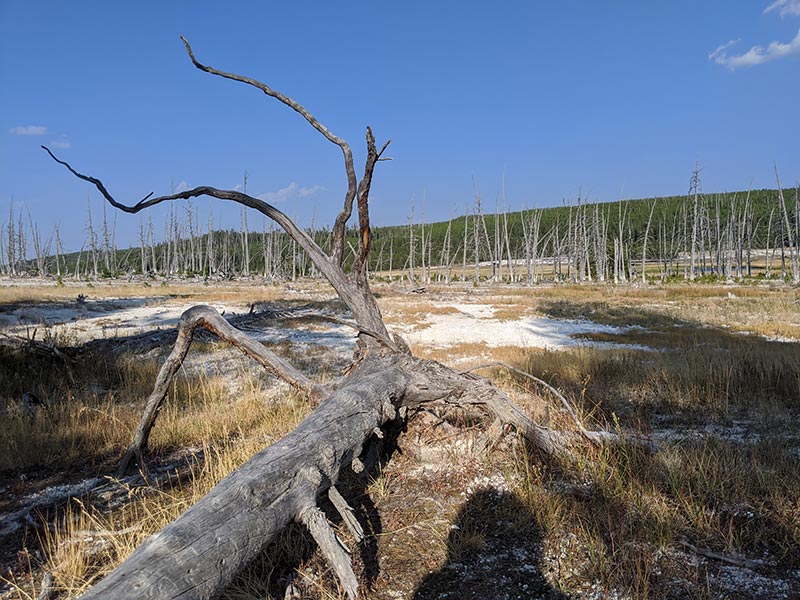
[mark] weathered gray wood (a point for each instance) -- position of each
(344, 510)
(332, 548)
(207, 318)
(199, 553)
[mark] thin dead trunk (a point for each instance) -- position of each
(644, 243)
(199, 553)
(694, 190)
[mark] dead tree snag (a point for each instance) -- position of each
(199, 553)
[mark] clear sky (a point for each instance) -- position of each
(617, 99)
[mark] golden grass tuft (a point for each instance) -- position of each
(723, 406)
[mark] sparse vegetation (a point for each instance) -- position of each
(722, 405)
(745, 235)
(604, 506)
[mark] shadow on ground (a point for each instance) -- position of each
(493, 552)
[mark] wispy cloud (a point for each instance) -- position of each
(179, 187)
(290, 191)
(306, 192)
(721, 49)
(757, 55)
(28, 130)
(61, 142)
(784, 7)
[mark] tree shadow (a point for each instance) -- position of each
(494, 550)
(706, 515)
(659, 364)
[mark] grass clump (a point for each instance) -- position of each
(90, 538)
(724, 408)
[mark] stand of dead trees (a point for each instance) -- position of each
(199, 553)
(749, 235)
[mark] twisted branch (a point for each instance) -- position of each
(208, 318)
(352, 184)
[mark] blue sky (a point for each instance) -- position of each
(617, 99)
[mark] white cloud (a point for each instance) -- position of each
(290, 191)
(29, 130)
(62, 142)
(757, 55)
(179, 187)
(784, 7)
(721, 49)
(306, 192)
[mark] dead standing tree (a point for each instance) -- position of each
(199, 553)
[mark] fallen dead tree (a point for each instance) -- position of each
(199, 553)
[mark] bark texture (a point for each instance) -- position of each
(198, 554)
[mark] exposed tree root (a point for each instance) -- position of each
(199, 553)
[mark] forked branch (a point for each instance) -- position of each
(208, 318)
(373, 156)
(352, 183)
(354, 290)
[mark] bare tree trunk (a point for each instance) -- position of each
(391, 256)
(476, 240)
(106, 243)
(59, 252)
(92, 237)
(446, 252)
(3, 259)
(411, 244)
(526, 238)
(423, 241)
(506, 237)
(466, 233)
(787, 235)
(694, 190)
(767, 267)
(497, 263)
(245, 237)
(12, 242)
(644, 243)
(199, 553)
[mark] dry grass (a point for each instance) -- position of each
(88, 422)
(88, 540)
(410, 312)
(727, 479)
(38, 291)
(724, 408)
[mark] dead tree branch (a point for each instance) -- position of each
(198, 554)
(357, 297)
(207, 318)
(595, 437)
(352, 183)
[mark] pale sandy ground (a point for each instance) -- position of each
(110, 317)
(466, 324)
(477, 324)
(460, 323)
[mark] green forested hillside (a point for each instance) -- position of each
(580, 241)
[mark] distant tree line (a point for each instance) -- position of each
(697, 236)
